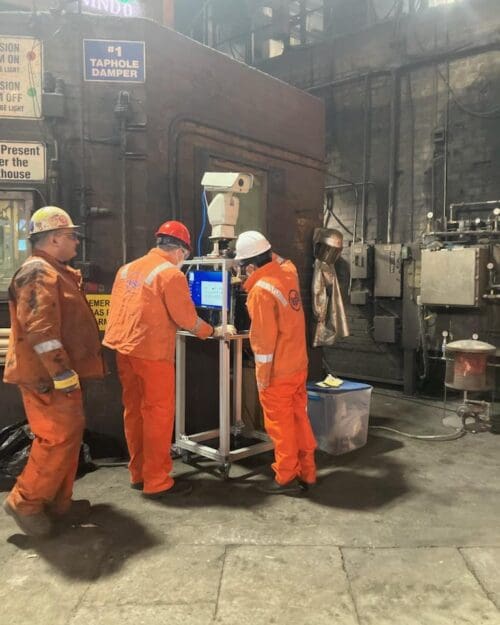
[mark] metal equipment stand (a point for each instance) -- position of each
(194, 443)
(230, 421)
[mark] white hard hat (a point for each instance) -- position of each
(250, 244)
(50, 218)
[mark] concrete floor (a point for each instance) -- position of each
(400, 532)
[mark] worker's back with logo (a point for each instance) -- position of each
(277, 334)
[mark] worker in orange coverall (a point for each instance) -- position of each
(278, 340)
(149, 302)
(54, 342)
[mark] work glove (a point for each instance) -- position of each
(223, 331)
(66, 382)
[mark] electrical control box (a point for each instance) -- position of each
(359, 297)
(361, 261)
(385, 328)
(454, 277)
(388, 265)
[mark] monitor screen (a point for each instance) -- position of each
(206, 288)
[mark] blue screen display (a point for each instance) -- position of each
(206, 289)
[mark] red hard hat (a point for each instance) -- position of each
(176, 230)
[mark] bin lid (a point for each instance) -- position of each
(348, 385)
(471, 346)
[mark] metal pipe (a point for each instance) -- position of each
(409, 101)
(467, 204)
(449, 233)
(83, 181)
(393, 154)
(53, 176)
(366, 133)
(303, 22)
(349, 184)
(339, 82)
(446, 152)
(123, 186)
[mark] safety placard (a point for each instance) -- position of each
(114, 61)
(99, 304)
(20, 77)
(22, 161)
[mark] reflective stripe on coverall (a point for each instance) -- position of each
(149, 302)
(52, 330)
(278, 340)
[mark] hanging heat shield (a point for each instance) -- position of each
(327, 302)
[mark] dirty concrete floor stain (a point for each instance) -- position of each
(401, 532)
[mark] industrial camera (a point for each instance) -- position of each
(224, 208)
(224, 182)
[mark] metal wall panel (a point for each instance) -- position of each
(454, 277)
(388, 270)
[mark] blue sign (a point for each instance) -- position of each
(114, 61)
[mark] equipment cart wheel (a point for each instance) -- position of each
(223, 470)
(187, 456)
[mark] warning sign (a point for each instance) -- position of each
(20, 77)
(114, 61)
(21, 162)
(100, 308)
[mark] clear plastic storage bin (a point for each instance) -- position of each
(339, 417)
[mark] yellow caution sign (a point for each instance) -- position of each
(100, 307)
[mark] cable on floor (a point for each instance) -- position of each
(422, 437)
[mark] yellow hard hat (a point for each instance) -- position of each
(50, 218)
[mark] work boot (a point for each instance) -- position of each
(137, 485)
(77, 513)
(306, 485)
(272, 487)
(179, 488)
(37, 524)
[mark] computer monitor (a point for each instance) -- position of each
(206, 289)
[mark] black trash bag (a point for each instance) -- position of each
(15, 445)
(85, 464)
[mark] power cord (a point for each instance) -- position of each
(422, 437)
(204, 206)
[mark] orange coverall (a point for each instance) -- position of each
(278, 340)
(52, 330)
(149, 302)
